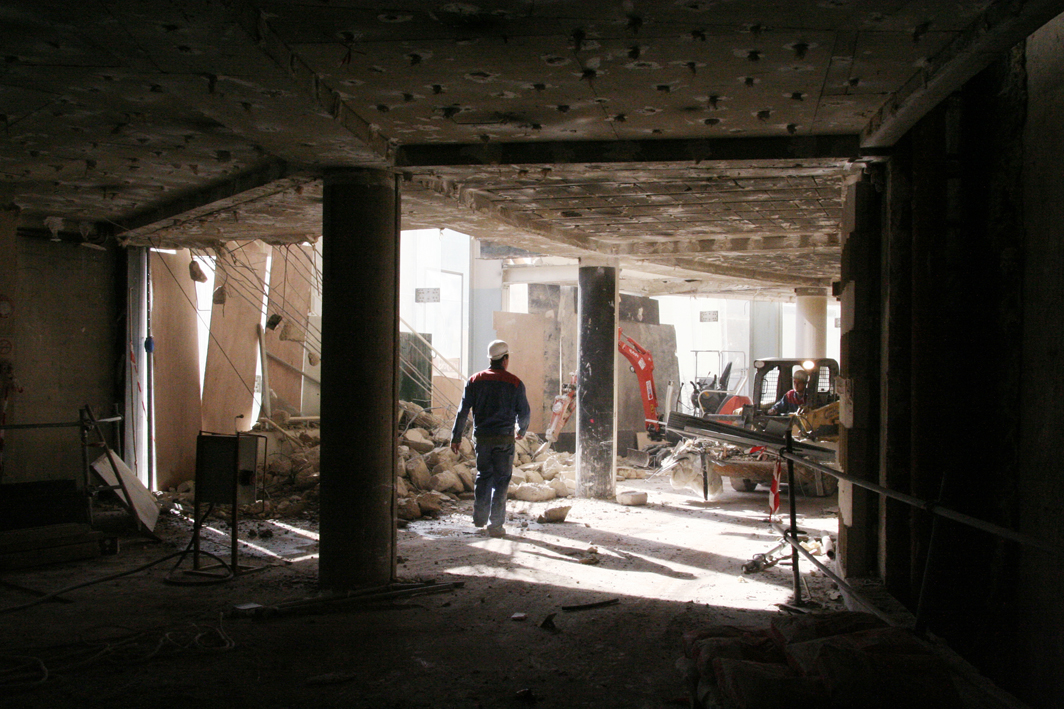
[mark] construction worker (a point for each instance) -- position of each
(794, 399)
(500, 416)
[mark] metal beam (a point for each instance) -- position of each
(629, 151)
(1001, 26)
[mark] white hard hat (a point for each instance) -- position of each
(497, 349)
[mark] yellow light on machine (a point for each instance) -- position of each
(809, 365)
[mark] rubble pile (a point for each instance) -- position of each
(430, 478)
(841, 659)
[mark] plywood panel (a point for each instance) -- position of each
(528, 359)
(291, 279)
(140, 501)
(233, 350)
(660, 341)
(175, 327)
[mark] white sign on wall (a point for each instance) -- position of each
(709, 316)
(426, 295)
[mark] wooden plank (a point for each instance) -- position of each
(175, 328)
(144, 505)
(291, 280)
(233, 350)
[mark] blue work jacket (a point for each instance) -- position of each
(498, 402)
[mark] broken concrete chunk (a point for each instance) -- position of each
(632, 497)
(549, 469)
(560, 487)
(402, 487)
(465, 475)
(307, 479)
(430, 503)
(408, 508)
(280, 466)
(441, 456)
(310, 436)
(533, 492)
(517, 477)
(418, 473)
(533, 477)
(187, 487)
(418, 439)
(446, 481)
(554, 514)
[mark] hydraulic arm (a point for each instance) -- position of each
(643, 365)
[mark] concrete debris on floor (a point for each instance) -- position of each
(836, 659)
(431, 478)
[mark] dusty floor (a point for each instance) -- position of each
(674, 564)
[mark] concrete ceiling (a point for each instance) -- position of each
(701, 144)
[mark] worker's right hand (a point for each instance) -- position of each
(454, 448)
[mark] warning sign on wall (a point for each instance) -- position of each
(708, 316)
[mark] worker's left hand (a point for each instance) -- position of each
(518, 436)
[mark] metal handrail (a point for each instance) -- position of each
(788, 453)
(926, 505)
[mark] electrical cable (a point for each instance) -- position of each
(28, 672)
(92, 582)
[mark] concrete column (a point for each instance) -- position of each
(896, 388)
(359, 372)
(596, 410)
(811, 324)
(859, 381)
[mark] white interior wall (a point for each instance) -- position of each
(437, 258)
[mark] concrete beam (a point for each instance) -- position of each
(328, 100)
(762, 243)
(751, 274)
(1003, 25)
(253, 186)
(629, 151)
(482, 202)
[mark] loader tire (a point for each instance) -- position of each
(743, 484)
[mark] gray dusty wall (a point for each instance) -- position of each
(64, 354)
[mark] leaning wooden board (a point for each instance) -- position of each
(144, 505)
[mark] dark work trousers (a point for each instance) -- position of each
(494, 468)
